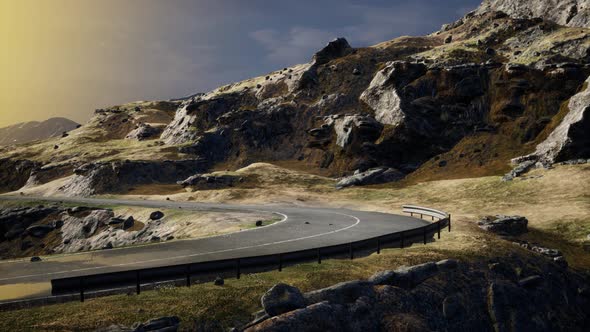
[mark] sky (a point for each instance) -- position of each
(68, 57)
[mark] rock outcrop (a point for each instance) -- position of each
(570, 139)
(371, 176)
(504, 225)
(97, 178)
(575, 13)
(508, 294)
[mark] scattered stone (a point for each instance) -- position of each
(282, 298)
(156, 215)
(35, 259)
(108, 246)
(219, 281)
(258, 223)
(356, 72)
(504, 225)
(128, 223)
(449, 39)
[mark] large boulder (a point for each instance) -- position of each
(317, 317)
(337, 48)
(372, 176)
(384, 92)
(143, 132)
(504, 225)
(282, 298)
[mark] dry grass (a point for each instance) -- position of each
(557, 205)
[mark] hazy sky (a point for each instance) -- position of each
(68, 57)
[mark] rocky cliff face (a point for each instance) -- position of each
(574, 13)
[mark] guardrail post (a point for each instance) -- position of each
(424, 234)
(319, 256)
(81, 289)
(351, 251)
(438, 223)
(401, 240)
(432, 218)
(188, 276)
(137, 283)
(238, 272)
(378, 245)
(449, 222)
(280, 262)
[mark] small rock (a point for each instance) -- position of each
(219, 281)
(442, 163)
(356, 72)
(282, 298)
(108, 246)
(449, 39)
(258, 223)
(156, 215)
(35, 259)
(128, 223)
(490, 51)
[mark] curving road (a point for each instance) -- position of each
(300, 228)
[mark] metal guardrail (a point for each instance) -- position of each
(107, 282)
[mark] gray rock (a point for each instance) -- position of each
(322, 316)
(449, 39)
(258, 223)
(35, 259)
(156, 215)
(504, 225)
(144, 132)
(282, 298)
(408, 277)
(372, 176)
(344, 292)
(570, 139)
(219, 281)
(128, 223)
(575, 13)
(335, 49)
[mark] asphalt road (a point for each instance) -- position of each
(300, 228)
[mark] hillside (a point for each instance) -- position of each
(33, 131)
(464, 101)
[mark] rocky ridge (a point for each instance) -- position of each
(504, 294)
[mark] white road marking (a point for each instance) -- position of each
(197, 254)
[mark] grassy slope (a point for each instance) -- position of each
(557, 205)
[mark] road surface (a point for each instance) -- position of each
(299, 228)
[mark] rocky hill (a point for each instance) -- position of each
(33, 131)
(461, 102)
(575, 13)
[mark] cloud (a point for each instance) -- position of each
(291, 47)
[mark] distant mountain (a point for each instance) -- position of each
(31, 131)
